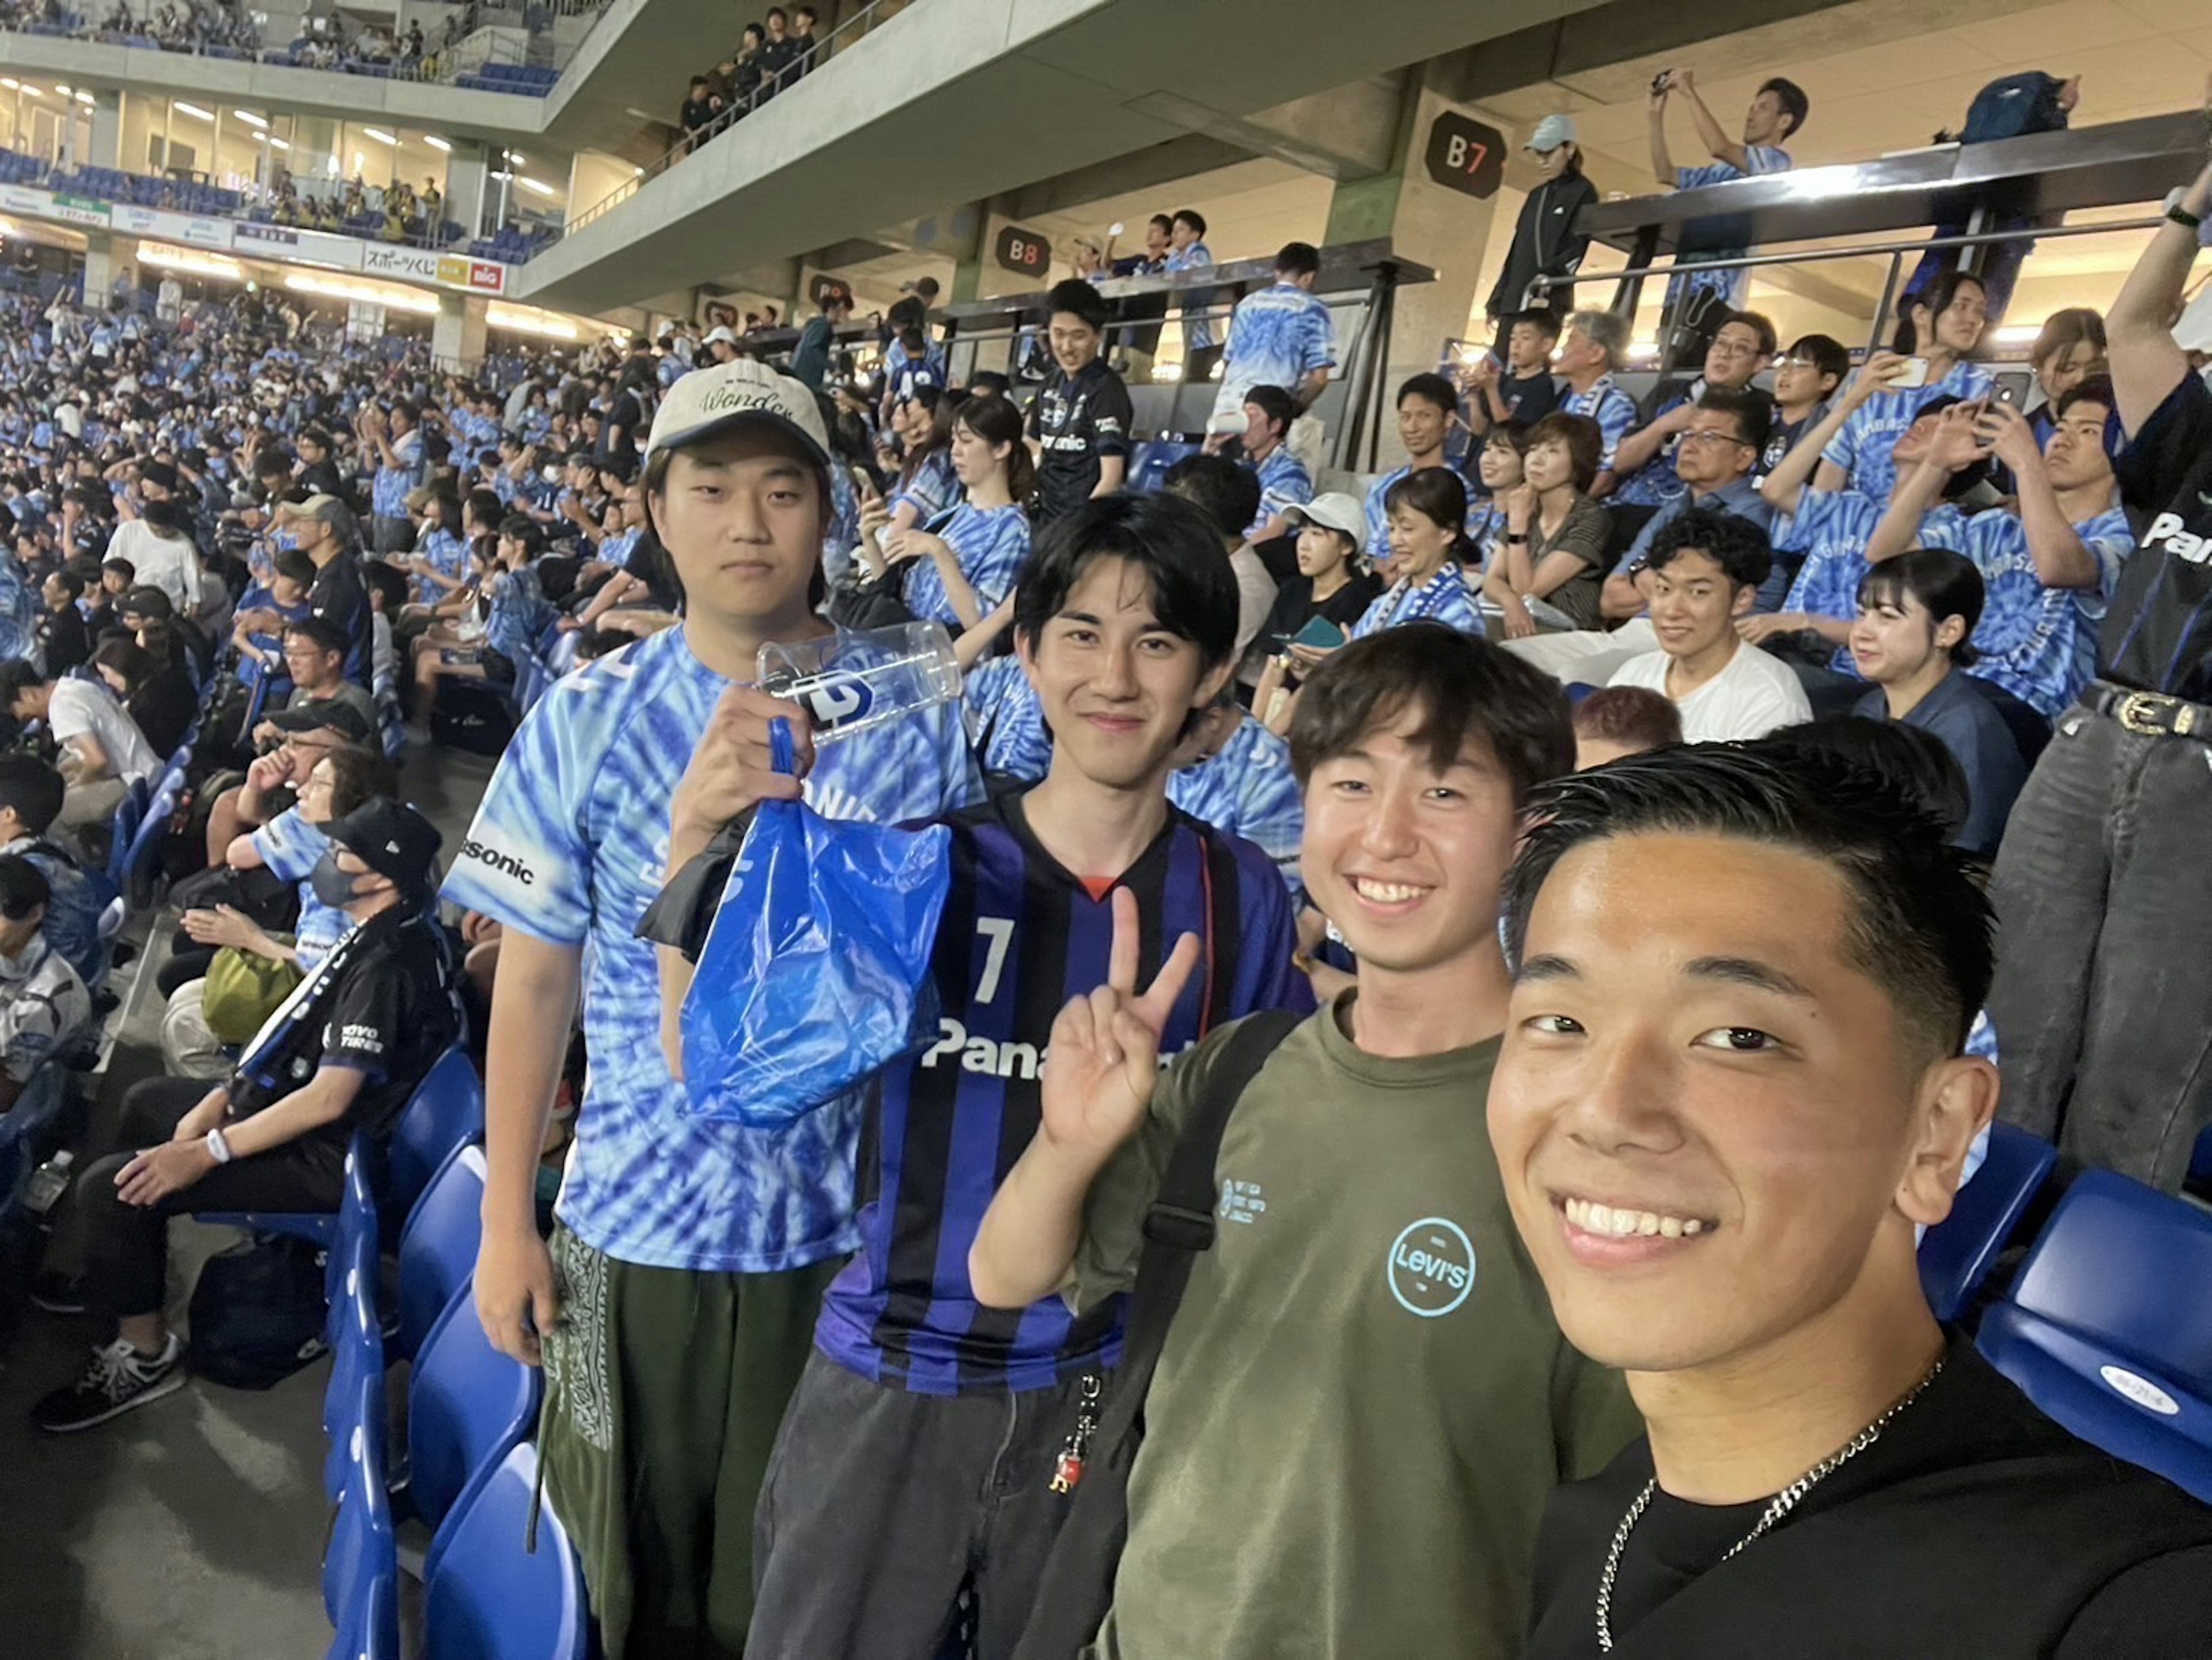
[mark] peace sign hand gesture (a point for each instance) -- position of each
(1106, 1047)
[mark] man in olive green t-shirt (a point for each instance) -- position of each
(1364, 1400)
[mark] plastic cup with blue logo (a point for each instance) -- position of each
(849, 683)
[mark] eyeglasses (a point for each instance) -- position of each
(1701, 436)
(1793, 362)
(1734, 348)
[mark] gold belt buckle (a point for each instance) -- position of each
(2137, 712)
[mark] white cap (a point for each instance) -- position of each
(1332, 510)
(711, 400)
(1552, 131)
(722, 331)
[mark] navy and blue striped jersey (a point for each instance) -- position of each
(1020, 936)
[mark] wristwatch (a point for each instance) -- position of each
(218, 1149)
(1517, 536)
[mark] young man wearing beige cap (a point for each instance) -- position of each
(676, 1306)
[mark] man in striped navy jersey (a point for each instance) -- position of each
(691, 1257)
(927, 1427)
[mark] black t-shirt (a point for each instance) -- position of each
(163, 707)
(622, 416)
(1974, 1527)
(2158, 628)
(1079, 420)
(323, 478)
(650, 562)
(1530, 398)
(1294, 607)
(340, 596)
(696, 114)
(389, 1014)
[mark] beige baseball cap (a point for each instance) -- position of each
(713, 400)
(1332, 510)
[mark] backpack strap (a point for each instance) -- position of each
(1180, 1225)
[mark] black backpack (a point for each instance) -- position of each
(258, 1313)
(1077, 1585)
(2012, 107)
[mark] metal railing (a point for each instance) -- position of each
(869, 17)
(1631, 279)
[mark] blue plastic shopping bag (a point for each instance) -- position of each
(815, 972)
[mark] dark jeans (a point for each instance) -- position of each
(2103, 1000)
(126, 1246)
(879, 1506)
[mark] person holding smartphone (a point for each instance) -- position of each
(1936, 340)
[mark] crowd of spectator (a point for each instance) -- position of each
(1255, 791)
(769, 56)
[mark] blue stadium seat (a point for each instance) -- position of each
(1958, 1253)
(438, 1251)
(447, 1110)
(138, 871)
(487, 1597)
(1149, 464)
(356, 1340)
(2108, 1328)
(123, 830)
(363, 1547)
(375, 1634)
(468, 1405)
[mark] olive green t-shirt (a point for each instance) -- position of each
(1364, 1399)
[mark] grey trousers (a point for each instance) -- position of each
(879, 1506)
(2103, 1000)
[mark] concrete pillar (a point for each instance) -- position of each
(458, 336)
(1434, 224)
(106, 127)
(468, 165)
(100, 260)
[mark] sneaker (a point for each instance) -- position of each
(118, 1379)
(56, 1293)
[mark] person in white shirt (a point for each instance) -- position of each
(102, 751)
(1707, 567)
(155, 542)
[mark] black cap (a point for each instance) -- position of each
(394, 841)
(146, 600)
(318, 712)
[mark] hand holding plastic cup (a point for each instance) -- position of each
(849, 683)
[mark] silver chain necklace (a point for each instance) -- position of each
(1781, 1504)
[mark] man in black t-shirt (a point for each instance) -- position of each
(328, 533)
(1080, 418)
(2103, 980)
(343, 1053)
(1732, 1087)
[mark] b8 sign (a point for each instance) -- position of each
(1023, 251)
(1465, 155)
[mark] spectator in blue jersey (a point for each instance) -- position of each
(336, 781)
(516, 612)
(439, 560)
(1401, 1532)
(1428, 576)
(1517, 391)
(1553, 547)
(692, 1254)
(1233, 773)
(257, 628)
(1499, 460)
(1428, 405)
(1828, 532)
(927, 485)
(1934, 345)
(1186, 251)
(1806, 377)
(1917, 618)
(30, 800)
(1778, 110)
(1717, 450)
(927, 1423)
(965, 560)
(393, 439)
(1280, 337)
(1742, 349)
(1594, 348)
(1285, 483)
(2049, 568)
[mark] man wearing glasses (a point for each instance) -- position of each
(1743, 347)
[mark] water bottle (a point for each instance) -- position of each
(849, 683)
(49, 1183)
